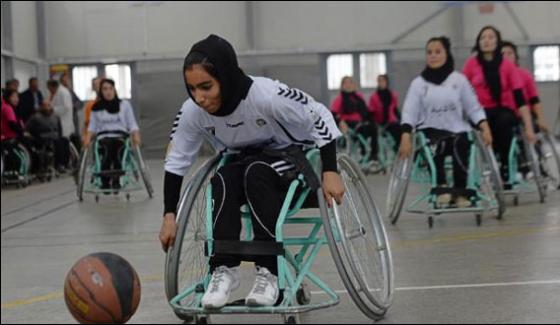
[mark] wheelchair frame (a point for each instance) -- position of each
(185, 298)
(132, 164)
(482, 178)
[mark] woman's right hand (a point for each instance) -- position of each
(343, 127)
(405, 149)
(87, 140)
(168, 231)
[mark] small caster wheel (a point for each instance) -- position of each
(478, 220)
(291, 319)
(516, 200)
(202, 320)
(97, 199)
(431, 222)
(303, 295)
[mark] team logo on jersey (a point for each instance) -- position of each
(260, 122)
(235, 125)
(211, 130)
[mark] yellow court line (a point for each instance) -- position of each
(395, 244)
(22, 302)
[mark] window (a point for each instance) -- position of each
(81, 81)
(338, 66)
(120, 73)
(371, 65)
(546, 62)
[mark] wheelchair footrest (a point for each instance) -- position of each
(247, 249)
(454, 191)
(110, 173)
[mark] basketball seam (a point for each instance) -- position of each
(92, 297)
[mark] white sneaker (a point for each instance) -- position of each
(265, 291)
(224, 281)
(463, 202)
(443, 199)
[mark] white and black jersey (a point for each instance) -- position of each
(449, 106)
(272, 116)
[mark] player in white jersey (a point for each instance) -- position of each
(255, 116)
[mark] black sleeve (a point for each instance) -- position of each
(171, 192)
(328, 157)
(478, 125)
(519, 98)
(535, 100)
(16, 127)
(406, 128)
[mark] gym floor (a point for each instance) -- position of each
(504, 271)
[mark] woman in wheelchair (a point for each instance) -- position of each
(254, 116)
(499, 89)
(438, 103)
(530, 91)
(12, 129)
(384, 105)
(111, 120)
(350, 111)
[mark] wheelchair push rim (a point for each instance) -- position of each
(357, 223)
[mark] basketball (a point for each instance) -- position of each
(102, 288)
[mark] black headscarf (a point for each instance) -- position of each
(491, 69)
(352, 103)
(234, 83)
(439, 75)
(111, 106)
(386, 98)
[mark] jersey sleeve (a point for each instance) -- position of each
(186, 139)
(299, 113)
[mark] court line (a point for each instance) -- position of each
(37, 202)
(461, 286)
(60, 207)
(158, 278)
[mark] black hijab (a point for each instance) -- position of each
(234, 83)
(439, 75)
(111, 106)
(352, 103)
(491, 69)
(386, 98)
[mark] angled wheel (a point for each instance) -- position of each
(549, 157)
(534, 164)
(81, 175)
(398, 186)
(491, 182)
(358, 243)
(144, 172)
(186, 262)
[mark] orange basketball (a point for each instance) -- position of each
(102, 288)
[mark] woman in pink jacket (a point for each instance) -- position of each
(350, 111)
(530, 92)
(499, 89)
(384, 106)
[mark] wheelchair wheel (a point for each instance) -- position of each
(144, 172)
(186, 262)
(549, 158)
(81, 175)
(491, 182)
(398, 186)
(28, 165)
(358, 243)
(74, 163)
(534, 164)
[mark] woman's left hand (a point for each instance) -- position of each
(136, 139)
(333, 187)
